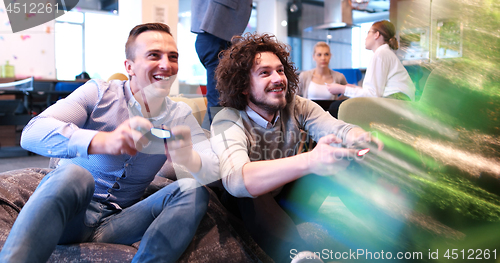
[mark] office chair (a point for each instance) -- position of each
(118, 76)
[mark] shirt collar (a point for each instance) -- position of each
(261, 121)
(131, 102)
(134, 108)
(386, 46)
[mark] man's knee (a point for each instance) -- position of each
(193, 189)
(70, 179)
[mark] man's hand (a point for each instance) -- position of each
(358, 135)
(181, 149)
(328, 160)
(122, 140)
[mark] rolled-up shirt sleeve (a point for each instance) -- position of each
(57, 131)
(230, 143)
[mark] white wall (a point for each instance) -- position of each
(108, 39)
(151, 13)
(270, 13)
(31, 51)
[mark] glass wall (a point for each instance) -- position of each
(69, 45)
(83, 45)
(360, 55)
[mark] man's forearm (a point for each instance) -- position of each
(193, 163)
(261, 177)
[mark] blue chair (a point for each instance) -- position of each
(67, 86)
(352, 75)
(61, 90)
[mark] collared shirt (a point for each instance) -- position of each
(242, 136)
(66, 129)
(260, 120)
(385, 75)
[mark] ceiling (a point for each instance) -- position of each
(373, 5)
(376, 10)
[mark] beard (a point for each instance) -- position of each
(266, 106)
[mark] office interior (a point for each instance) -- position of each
(453, 146)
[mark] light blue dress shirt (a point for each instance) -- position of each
(66, 129)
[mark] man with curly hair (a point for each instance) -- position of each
(256, 136)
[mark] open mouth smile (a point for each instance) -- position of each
(161, 77)
(279, 88)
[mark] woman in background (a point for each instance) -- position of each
(313, 83)
(385, 75)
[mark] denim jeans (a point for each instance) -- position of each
(208, 48)
(268, 224)
(61, 211)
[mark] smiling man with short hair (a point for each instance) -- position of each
(94, 195)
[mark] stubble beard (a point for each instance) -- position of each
(270, 108)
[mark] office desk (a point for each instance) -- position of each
(15, 102)
(34, 99)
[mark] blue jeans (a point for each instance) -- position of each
(208, 48)
(61, 211)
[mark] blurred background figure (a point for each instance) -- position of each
(83, 75)
(216, 22)
(385, 74)
(313, 83)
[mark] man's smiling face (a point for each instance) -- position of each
(154, 62)
(268, 85)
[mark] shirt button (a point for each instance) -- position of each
(109, 190)
(126, 165)
(78, 154)
(49, 152)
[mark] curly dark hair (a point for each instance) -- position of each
(233, 72)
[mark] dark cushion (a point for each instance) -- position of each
(220, 236)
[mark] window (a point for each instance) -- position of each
(360, 55)
(69, 45)
(93, 42)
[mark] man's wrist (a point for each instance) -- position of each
(305, 162)
(96, 145)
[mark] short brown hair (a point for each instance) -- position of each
(236, 62)
(139, 29)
